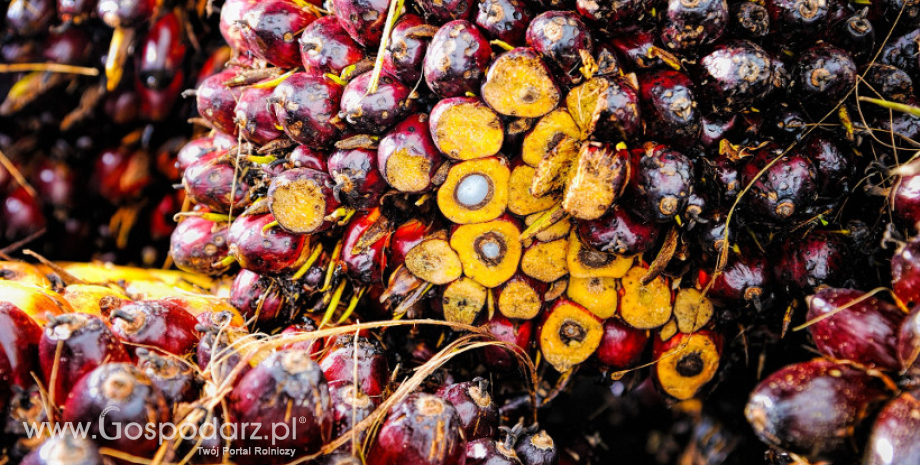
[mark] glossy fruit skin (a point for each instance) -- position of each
(86, 342)
(405, 53)
(350, 406)
(377, 112)
(269, 31)
(662, 182)
(737, 75)
(824, 75)
(812, 262)
(517, 332)
(890, 82)
(621, 346)
(209, 182)
(255, 119)
(834, 166)
(504, 20)
(364, 20)
(750, 20)
(788, 187)
(909, 345)
(313, 347)
(252, 293)
(72, 46)
(285, 385)
(478, 414)
(857, 35)
(405, 237)
(787, 125)
(231, 17)
(56, 183)
(326, 47)
(273, 251)
(306, 157)
(307, 107)
(54, 450)
(175, 379)
(420, 430)
(669, 107)
(537, 449)
(620, 118)
(487, 451)
(217, 356)
(198, 245)
(27, 18)
(559, 36)
(373, 370)
(159, 324)
(412, 137)
(124, 13)
(19, 340)
(688, 25)
(905, 272)
(22, 215)
(614, 12)
(162, 54)
(902, 51)
(865, 332)
(217, 102)
(440, 12)
(620, 232)
(358, 182)
(746, 277)
(456, 59)
(905, 125)
(811, 408)
(635, 50)
(117, 385)
(798, 22)
(365, 265)
(895, 436)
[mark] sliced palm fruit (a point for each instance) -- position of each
(520, 297)
(545, 261)
(557, 167)
(598, 180)
(546, 134)
(434, 261)
(584, 262)
(301, 200)
(686, 362)
(465, 128)
(84, 298)
(557, 230)
(644, 306)
(490, 252)
(463, 300)
(520, 200)
(692, 310)
(569, 335)
(518, 83)
(37, 302)
(599, 295)
(25, 273)
(582, 103)
(475, 191)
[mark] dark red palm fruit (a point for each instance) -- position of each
(162, 53)
(231, 20)
(121, 174)
(350, 406)
(617, 116)
(266, 251)
(19, 341)
(620, 232)
(614, 14)
(210, 182)
(640, 50)
(161, 218)
(175, 379)
(819, 259)
(517, 332)
(364, 254)
(456, 59)
(864, 332)
(737, 75)
(833, 165)
(788, 187)
(22, 215)
(375, 113)
(125, 13)
(661, 182)
(823, 75)
(116, 399)
(357, 181)
(27, 18)
(373, 371)
(715, 128)
(306, 157)
(313, 347)
(439, 12)
(56, 183)
(687, 26)
(156, 324)
(122, 106)
(905, 272)
(72, 345)
(198, 245)
(269, 30)
(488, 451)
(301, 199)
(218, 354)
(798, 22)
(537, 449)
(786, 125)
(905, 126)
(813, 408)
(257, 296)
(504, 20)
(856, 35)
(477, 412)
(890, 82)
(307, 106)
(749, 20)
(745, 278)
(75, 11)
(217, 102)
(407, 157)
(286, 392)
(364, 20)
(405, 53)
(405, 237)
(560, 36)
(909, 345)
(72, 46)
(254, 117)
(156, 104)
(669, 107)
(895, 436)
(621, 346)
(66, 448)
(326, 47)
(422, 430)
(901, 52)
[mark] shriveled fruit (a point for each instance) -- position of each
(596, 182)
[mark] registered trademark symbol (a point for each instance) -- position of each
(303, 419)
